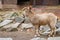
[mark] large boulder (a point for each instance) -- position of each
(44, 27)
(19, 19)
(58, 24)
(54, 38)
(10, 15)
(12, 26)
(27, 20)
(38, 38)
(5, 22)
(25, 26)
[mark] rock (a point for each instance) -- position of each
(5, 22)
(19, 19)
(45, 33)
(27, 20)
(50, 38)
(10, 15)
(58, 30)
(48, 31)
(11, 27)
(24, 25)
(44, 28)
(58, 24)
(38, 38)
(35, 38)
(15, 25)
(54, 38)
(6, 39)
(7, 26)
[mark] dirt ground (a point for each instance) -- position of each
(18, 35)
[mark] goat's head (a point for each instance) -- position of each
(27, 10)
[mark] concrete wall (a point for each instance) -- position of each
(50, 2)
(37, 2)
(10, 1)
(46, 2)
(0, 4)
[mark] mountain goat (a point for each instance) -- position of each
(41, 19)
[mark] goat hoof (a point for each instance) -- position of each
(35, 35)
(21, 30)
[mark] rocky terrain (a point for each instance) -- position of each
(11, 27)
